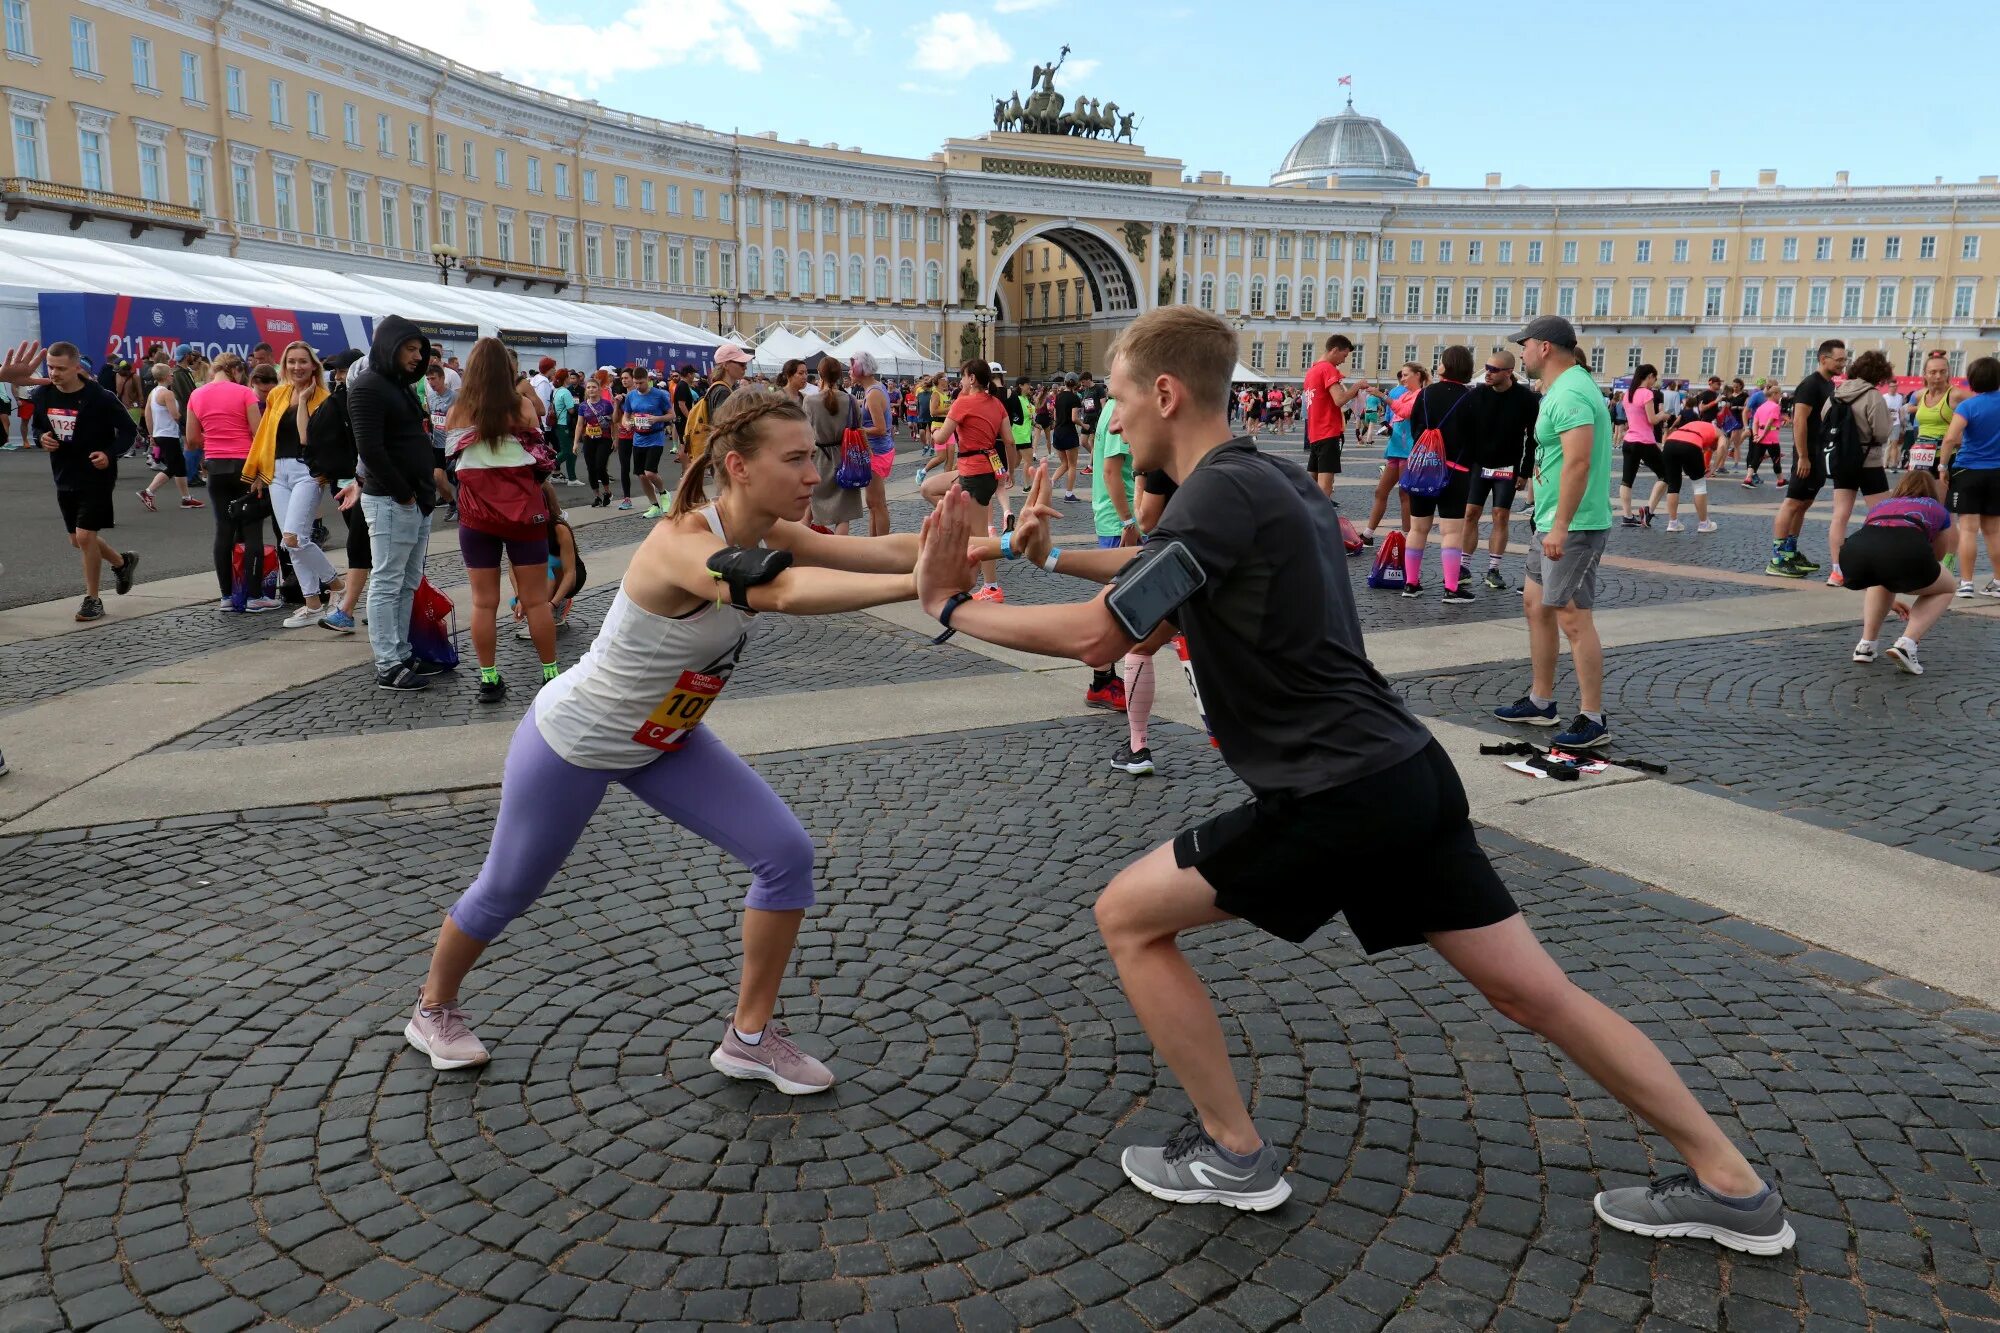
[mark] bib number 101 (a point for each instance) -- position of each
(667, 727)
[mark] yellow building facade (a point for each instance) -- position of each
(277, 130)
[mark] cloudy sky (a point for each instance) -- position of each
(1620, 95)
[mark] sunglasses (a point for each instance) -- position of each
(1499, 370)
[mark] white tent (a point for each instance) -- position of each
(1242, 374)
(893, 355)
(781, 345)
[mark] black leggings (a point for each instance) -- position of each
(225, 483)
(625, 468)
(597, 463)
(1649, 454)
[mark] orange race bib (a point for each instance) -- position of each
(670, 723)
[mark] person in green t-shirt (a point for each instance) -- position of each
(1572, 524)
(1114, 488)
(1021, 413)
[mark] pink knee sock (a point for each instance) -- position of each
(1138, 696)
(1413, 564)
(1453, 558)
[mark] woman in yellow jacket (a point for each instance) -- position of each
(278, 460)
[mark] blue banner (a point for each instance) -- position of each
(661, 356)
(129, 327)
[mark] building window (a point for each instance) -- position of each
(1208, 291)
(315, 115)
(933, 282)
(1969, 248)
(1284, 361)
(933, 232)
(1850, 301)
(1642, 297)
(1816, 302)
(1409, 352)
(357, 215)
(152, 171)
(701, 207)
(1681, 250)
(1885, 300)
(829, 271)
(1441, 300)
(1632, 355)
(1789, 251)
(590, 185)
(1605, 249)
(441, 150)
(649, 262)
(383, 137)
(1257, 295)
(1677, 299)
(1707, 361)
(239, 98)
(1597, 360)
(1306, 298)
(1961, 300)
(500, 168)
(1711, 302)
(1920, 301)
(1857, 248)
(1413, 299)
(191, 87)
(1670, 361)
(83, 46)
(1782, 305)
(275, 96)
(1284, 252)
(1475, 252)
(322, 208)
(621, 258)
(1745, 361)
(198, 198)
(469, 160)
(1753, 301)
(20, 36)
(725, 210)
(1232, 245)
(96, 169)
(906, 223)
(142, 65)
(1534, 252)
(284, 204)
(805, 284)
(447, 224)
(350, 125)
(906, 281)
(1416, 250)
(1256, 356)
(503, 240)
(537, 244)
(778, 281)
(534, 175)
(1777, 361)
(1281, 297)
(562, 180)
(1357, 300)
(854, 277)
(1643, 252)
(1600, 300)
(1756, 249)
(1444, 252)
(1471, 307)
(1257, 245)
(1503, 301)
(1566, 300)
(1822, 249)
(413, 144)
(592, 254)
(1569, 252)
(621, 190)
(565, 250)
(28, 154)
(1232, 293)
(1531, 300)
(1718, 250)
(389, 223)
(1382, 358)
(1892, 247)
(243, 192)
(420, 227)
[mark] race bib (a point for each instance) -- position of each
(1497, 473)
(670, 723)
(1923, 455)
(62, 424)
(592, 431)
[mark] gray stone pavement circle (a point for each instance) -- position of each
(209, 1120)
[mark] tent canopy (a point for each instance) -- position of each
(893, 355)
(1242, 374)
(781, 345)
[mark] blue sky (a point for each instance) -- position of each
(1734, 87)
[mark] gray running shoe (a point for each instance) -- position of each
(1680, 1205)
(443, 1034)
(776, 1059)
(1191, 1169)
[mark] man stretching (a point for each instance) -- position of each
(85, 430)
(1332, 758)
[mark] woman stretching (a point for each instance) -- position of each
(1896, 553)
(630, 712)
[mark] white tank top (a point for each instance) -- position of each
(160, 420)
(645, 682)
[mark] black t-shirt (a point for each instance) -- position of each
(1813, 392)
(1503, 425)
(1093, 404)
(1067, 402)
(1273, 636)
(289, 444)
(1441, 404)
(88, 421)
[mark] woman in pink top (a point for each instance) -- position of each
(222, 419)
(1643, 416)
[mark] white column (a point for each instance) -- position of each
(840, 225)
(771, 204)
(1325, 240)
(1374, 273)
(1298, 268)
(868, 278)
(896, 254)
(1346, 269)
(1150, 298)
(979, 244)
(1185, 258)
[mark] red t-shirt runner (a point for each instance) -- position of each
(980, 419)
(1323, 420)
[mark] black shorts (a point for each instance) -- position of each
(1323, 455)
(1974, 491)
(88, 508)
(979, 485)
(1447, 503)
(1895, 556)
(1495, 491)
(358, 554)
(646, 457)
(1806, 489)
(1288, 864)
(167, 452)
(1635, 454)
(1065, 440)
(439, 460)
(1867, 480)
(1683, 461)
(1044, 420)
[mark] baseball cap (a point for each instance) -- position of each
(730, 353)
(342, 360)
(1070, 378)
(1549, 329)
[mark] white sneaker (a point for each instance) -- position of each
(1706, 525)
(1964, 590)
(1905, 658)
(262, 604)
(304, 616)
(1864, 651)
(1992, 588)
(1675, 525)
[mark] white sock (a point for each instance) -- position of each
(1906, 644)
(748, 1038)
(1492, 561)
(1868, 644)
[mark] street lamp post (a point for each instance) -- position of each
(446, 259)
(718, 298)
(1914, 336)
(982, 316)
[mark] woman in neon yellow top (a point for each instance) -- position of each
(1933, 408)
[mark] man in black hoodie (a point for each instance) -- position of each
(392, 436)
(85, 430)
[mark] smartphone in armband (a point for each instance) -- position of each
(1153, 587)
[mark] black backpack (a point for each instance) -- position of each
(1840, 437)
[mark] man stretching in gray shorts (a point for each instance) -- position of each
(1572, 521)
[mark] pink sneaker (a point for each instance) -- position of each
(775, 1059)
(443, 1035)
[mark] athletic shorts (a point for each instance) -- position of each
(1895, 556)
(1323, 455)
(1065, 440)
(1495, 491)
(359, 556)
(881, 463)
(1447, 503)
(88, 508)
(482, 550)
(647, 457)
(1806, 489)
(1683, 462)
(1289, 864)
(979, 485)
(1635, 454)
(1572, 580)
(1867, 480)
(1972, 491)
(438, 459)
(1105, 543)
(168, 453)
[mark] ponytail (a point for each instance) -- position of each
(737, 428)
(831, 373)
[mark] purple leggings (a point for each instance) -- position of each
(545, 802)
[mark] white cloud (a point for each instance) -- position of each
(1019, 6)
(1074, 72)
(953, 43)
(513, 38)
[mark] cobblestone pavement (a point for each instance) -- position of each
(786, 654)
(209, 1118)
(1785, 721)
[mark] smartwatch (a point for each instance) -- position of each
(945, 613)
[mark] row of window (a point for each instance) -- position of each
(795, 276)
(1041, 362)
(1446, 249)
